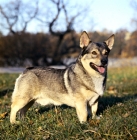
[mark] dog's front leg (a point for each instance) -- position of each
(81, 109)
(94, 106)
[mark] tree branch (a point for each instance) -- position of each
(31, 17)
(8, 20)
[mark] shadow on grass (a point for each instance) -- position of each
(104, 103)
(49, 107)
(110, 101)
(5, 91)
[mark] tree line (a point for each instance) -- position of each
(42, 49)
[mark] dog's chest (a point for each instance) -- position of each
(98, 85)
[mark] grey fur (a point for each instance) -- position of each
(78, 86)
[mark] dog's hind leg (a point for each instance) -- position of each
(25, 108)
(17, 104)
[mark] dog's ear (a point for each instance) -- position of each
(84, 39)
(110, 41)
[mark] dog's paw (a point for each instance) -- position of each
(95, 117)
(16, 122)
(83, 122)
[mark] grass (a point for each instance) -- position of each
(118, 108)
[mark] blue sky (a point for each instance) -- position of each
(112, 14)
(102, 14)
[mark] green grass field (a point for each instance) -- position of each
(117, 108)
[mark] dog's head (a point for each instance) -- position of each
(94, 56)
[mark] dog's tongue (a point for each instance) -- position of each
(101, 69)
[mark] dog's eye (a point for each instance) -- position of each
(94, 53)
(106, 53)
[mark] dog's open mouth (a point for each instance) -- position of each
(100, 69)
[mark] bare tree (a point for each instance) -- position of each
(62, 9)
(17, 15)
(59, 19)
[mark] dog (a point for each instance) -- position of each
(79, 85)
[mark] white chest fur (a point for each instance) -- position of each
(98, 83)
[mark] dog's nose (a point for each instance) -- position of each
(104, 61)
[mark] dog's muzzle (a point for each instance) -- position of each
(104, 61)
(100, 69)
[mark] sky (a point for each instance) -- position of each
(102, 14)
(113, 14)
